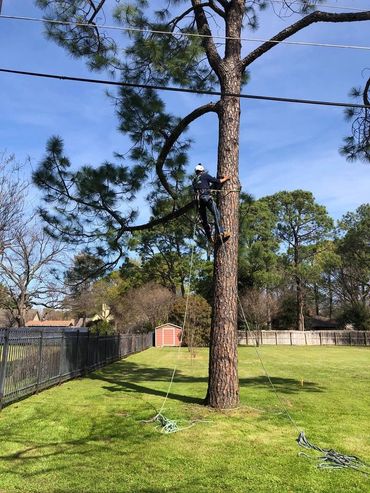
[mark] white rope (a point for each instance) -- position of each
(197, 35)
(184, 321)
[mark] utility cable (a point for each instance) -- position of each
(186, 90)
(182, 34)
(326, 5)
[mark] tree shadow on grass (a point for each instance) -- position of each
(99, 434)
(127, 376)
(282, 385)
(104, 431)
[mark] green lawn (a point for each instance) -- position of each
(87, 436)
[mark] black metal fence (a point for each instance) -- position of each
(32, 360)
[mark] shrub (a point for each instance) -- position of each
(357, 314)
(198, 320)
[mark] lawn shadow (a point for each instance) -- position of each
(282, 385)
(126, 376)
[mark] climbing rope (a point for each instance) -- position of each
(165, 424)
(330, 459)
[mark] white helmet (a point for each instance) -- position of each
(199, 167)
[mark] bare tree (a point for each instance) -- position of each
(28, 267)
(259, 308)
(12, 191)
(146, 306)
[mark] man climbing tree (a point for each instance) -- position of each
(187, 57)
(202, 184)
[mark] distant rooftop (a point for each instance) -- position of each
(50, 323)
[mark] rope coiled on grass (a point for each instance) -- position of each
(330, 458)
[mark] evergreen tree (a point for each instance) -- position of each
(357, 145)
(88, 202)
(301, 224)
(353, 247)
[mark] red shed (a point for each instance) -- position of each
(167, 335)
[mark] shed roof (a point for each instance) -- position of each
(168, 325)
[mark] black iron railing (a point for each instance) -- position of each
(32, 360)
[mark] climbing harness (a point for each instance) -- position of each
(203, 200)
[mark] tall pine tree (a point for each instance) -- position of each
(88, 203)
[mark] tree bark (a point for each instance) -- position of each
(223, 383)
(317, 301)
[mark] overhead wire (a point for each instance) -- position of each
(182, 34)
(186, 90)
(326, 5)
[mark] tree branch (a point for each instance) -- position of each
(177, 131)
(316, 16)
(96, 10)
(217, 9)
(163, 220)
(365, 93)
(177, 19)
(208, 43)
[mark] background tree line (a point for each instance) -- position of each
(295, 263)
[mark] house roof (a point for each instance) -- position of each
(318, 322)
(50, 323)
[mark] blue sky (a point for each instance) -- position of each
(283, 146)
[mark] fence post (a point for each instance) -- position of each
(39, 368)
(4, 361)
(105, 347)
(86, 366)
(77, 366)
(350, 338)
(61, 356)
(335, 338)
(97, 351)
(365, 337)
(320, 337)
(290, 337)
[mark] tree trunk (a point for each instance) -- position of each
(300, 303)
(317, 302)
(330, 289)
(21, 316)
(223, 384)
(268, 309)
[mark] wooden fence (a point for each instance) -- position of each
(32, 360)
(302, 338)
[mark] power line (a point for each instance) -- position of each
(326, 5)
(194, 35)
(185, 90)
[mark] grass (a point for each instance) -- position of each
(86, 435)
